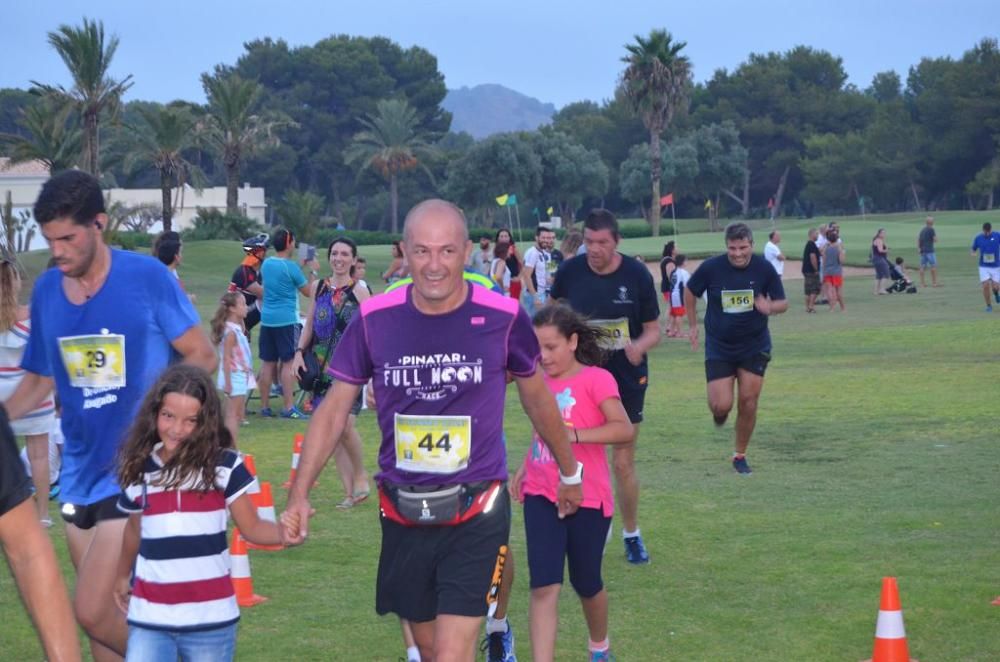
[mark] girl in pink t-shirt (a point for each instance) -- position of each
(591, 408)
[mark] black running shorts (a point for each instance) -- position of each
(86, 517)
(424, 571)
(722, 368)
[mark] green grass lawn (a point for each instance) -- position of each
(875, 454)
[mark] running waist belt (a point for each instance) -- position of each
(437, 505)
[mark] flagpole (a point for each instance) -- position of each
(673, 215)
(517, 213)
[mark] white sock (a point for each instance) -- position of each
(496, 625)
(413, 654)
(630, 534)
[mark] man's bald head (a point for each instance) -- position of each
(434, 211)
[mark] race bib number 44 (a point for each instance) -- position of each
(433, 444)
(95, 361)
(737, 301)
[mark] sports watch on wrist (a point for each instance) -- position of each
(575, 479)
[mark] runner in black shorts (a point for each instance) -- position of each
(439, 382)
(743, 290)
(31, 556)
(618, 294)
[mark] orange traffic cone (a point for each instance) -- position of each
(240, 573)
(890, 636)
(296, 452)
(264, 502)
(251, 466)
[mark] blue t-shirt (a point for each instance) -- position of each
(280, 306)
(989, 249)
(104, 355)
(733, 327)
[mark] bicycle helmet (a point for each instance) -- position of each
(259, 241)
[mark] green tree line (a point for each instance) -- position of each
(350, 131)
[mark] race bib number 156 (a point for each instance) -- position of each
(94, 361)
(737, 301)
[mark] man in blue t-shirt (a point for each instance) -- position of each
(279, 322)
(743, 291)
(104, 325)
(988, 245)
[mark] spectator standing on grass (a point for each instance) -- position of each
(678, 280)
(279, 322)
(246, 278)
(570, 245)
(773, 254)
(880, 259)
(499, 273)
(988, 245)
(810, 271)
(537, 274)
(397, 266)
(833, 269)
(667, 266)
(482, 257)
(928, 257)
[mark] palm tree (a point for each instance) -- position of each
(52, 138)
(94, 93)
(657, 82)
(234, 130)
(392, 143)
(165, 134)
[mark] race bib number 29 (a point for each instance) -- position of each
(737, 301)
(433, 444)
(94, 361)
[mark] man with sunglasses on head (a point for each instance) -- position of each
(104, 325)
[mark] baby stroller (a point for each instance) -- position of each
(900, 283)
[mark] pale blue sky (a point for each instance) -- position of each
(557, 51)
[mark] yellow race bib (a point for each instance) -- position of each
(617, 333)
(433, 444)
(94, 361)
(989, 258)
(737, 301)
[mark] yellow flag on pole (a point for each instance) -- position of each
(502, 199)
(549, 211)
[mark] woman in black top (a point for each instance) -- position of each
(880, 258)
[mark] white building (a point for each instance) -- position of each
(25, 180)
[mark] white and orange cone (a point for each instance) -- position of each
(890, 635)
(240, 573)
(296, 453)
(251, 466)
(264, 502)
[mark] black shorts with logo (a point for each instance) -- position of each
(86, 517)
(755, 363)
(424, 571)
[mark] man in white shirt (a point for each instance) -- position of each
(773, 254)
(535, 274)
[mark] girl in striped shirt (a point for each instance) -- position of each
(180, 475)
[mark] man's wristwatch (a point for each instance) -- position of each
(575, 479)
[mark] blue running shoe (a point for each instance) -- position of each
(635, 551)
(275, 390)
(741, 466)
(266, 412)
(54, 491)
(499, 646)
(601, 656)
(989, 308)
(294, 413)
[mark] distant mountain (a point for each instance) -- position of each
(487, 109)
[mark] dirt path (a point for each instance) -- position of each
(793, 270)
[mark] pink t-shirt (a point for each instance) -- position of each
(579, 399)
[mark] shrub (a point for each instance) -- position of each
(215, 224)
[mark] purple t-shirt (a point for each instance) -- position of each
(440, 380)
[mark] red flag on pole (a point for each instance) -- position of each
(667, 199)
